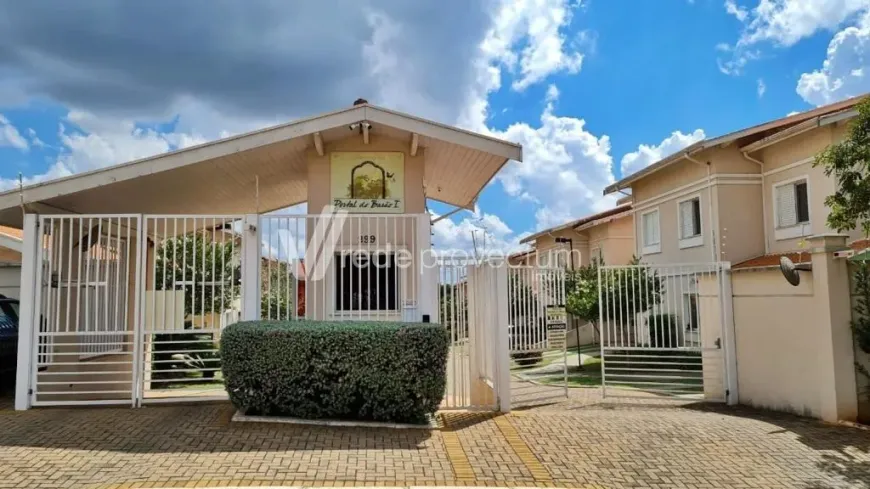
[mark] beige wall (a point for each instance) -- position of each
(319, 176)
(394, 230)
(775, 342)
(669, 178)
(615, 240)
(800, 149)
(668, 228)
(10, 280)
(741, 232)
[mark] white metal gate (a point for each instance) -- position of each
(467, 298)
(85, 310)
(537, 328)
(663, 330)
(191, 291)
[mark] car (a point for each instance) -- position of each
(8, 340)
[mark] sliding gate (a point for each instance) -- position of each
(663, 330)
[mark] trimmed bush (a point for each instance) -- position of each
(374, 371)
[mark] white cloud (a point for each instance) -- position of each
(34, 139)
(733, 9)
(536, 25)
(88, 142)
(784, 23)
(565, 167)
(9, 135)
(844, 72)
(760, 87)
(481, 232)
(647, 155)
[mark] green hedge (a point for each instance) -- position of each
(336, 370)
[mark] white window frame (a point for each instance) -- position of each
(693, 241)
(687, 311)
(799, 230)
(653, 248)
(403, 284)
(595, 254)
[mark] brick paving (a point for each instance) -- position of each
(582, 442)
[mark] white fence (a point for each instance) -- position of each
(340, 267)
(84, 346)
(663, 330)
(129, 309)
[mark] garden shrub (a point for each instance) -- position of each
(376, 371)
(168, 365)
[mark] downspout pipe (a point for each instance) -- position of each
(714, 248)
(763, 198)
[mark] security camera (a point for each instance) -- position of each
(353, 127)
(367, 125)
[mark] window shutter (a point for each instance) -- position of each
(696, 217)
(786, 206)
(687, 220)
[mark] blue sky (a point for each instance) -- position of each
(584, 86)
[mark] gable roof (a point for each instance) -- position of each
(742, 137)
(583, 221)
(265, 170)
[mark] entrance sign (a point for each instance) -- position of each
(368, 182)
(557, 326)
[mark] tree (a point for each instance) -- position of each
(848, 162)
(279, 290)
(861, 321)
(206, 271)
(628, 291)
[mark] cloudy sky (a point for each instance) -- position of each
(593, 89)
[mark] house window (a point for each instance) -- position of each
(792, 209)
(651, 233)
(690, 222)
(596, 255)
(366, 282)
(691, 318)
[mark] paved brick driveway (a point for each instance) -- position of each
(580, 443)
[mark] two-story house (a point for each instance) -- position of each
(749, 198)
(740, 196)
(606, 237)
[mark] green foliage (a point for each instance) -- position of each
(199, 266)
(374, 371)
(848, 162)
(199, 352)
(861, 321)
(626, 290)
(527, 358)
(279, 290)
(581, 287)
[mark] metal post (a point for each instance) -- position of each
(28, 318)
(730, 344)
(502, 346)
(427, 290)
(251, 244)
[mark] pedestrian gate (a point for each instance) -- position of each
(665, 330)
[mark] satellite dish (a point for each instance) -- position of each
(790, 270)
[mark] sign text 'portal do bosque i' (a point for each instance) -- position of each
(368, 182)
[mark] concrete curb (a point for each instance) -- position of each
(432, 425)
